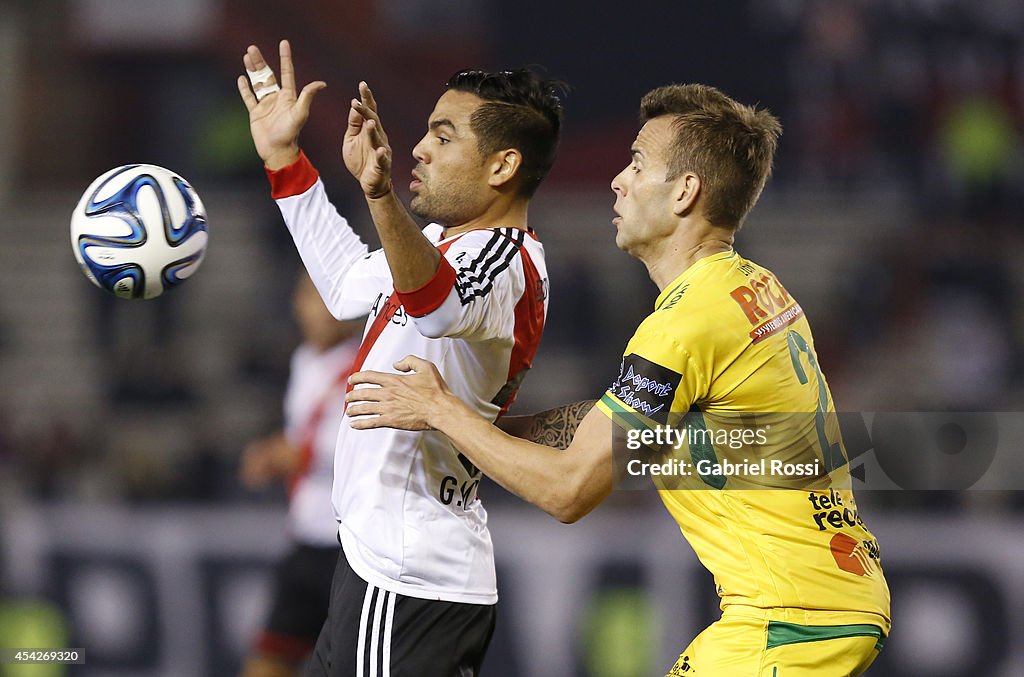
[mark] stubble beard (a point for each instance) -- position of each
(420, 206)
(434, 208)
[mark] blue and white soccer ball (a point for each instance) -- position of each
(138, 231)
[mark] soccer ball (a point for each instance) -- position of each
(138, 231)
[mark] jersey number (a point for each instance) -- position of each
(831, 453)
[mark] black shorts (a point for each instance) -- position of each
(370, 631)
(302, 590)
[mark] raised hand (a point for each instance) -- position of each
(366, 150)
(276, 119)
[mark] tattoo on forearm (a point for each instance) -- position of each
(555, 427)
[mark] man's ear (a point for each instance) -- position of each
(505, 164)
(687, 192)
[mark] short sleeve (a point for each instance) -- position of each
(476, 287)
(658, 382)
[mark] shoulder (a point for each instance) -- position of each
(664, 339)
(489, 250)
(489, 238)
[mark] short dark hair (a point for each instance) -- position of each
(728, 144)
(521, 110)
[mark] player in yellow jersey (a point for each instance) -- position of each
(720, 400)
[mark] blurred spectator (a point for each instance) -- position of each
(303, 454)
(981, 150)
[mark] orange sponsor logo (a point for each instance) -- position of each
(767, 305)
(849, 555)
(761, 298)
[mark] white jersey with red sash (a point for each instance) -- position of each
(313, 410)
(410, 520)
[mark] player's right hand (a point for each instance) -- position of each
(276, 120)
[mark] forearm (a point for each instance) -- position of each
(552, 427)
(544, 476)
(326, 243)
(567, 483)
(412, 258)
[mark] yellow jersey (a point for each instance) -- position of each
(758, 479)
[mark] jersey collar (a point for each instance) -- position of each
(672, 286)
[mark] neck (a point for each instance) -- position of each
(502, 214)
(669, 259)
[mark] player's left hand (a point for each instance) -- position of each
(366, 150)
(407, 401)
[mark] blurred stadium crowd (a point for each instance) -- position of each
(894, 213)
(895, 202)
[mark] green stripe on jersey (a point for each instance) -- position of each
(781, 634)
(623, 416)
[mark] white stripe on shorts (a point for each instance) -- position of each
(375, 637)
(363, 617)
(389, 617)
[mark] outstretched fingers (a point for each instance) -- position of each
(367, 96)
(248, 98)
(253, 59)
(305, 100)
(366, 106)
(365, 111)
(287, 67)
(261, 77)
(355, 122)
(379, 143)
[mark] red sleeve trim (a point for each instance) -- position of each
(295, 179)
(429, 297)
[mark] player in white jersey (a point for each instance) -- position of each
(303, 453)
(414, 591)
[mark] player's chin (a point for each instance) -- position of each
(417, 204)
(622, 241)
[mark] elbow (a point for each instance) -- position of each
(572, 514)
(580, 489)
(568, 516)
(344, 312)
(570, 506)
(430, 328)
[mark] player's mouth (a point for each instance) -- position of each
(416, 182)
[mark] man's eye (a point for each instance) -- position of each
(635, 168)
(441, 140)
